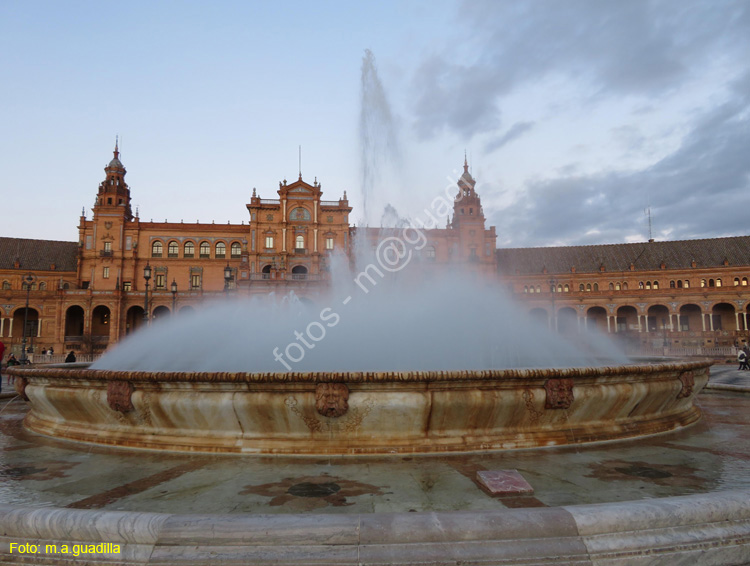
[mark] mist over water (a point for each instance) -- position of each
(400, 324)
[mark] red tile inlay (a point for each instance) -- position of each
(500, 482)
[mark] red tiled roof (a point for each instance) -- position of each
(38, 255)
(644, 256)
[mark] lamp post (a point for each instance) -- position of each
(553, 290)
(173, 288)
(227, 278)
(29, 279)
(146, 276)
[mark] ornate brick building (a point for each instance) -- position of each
(88, 294)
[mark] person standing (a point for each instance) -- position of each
(71, 357)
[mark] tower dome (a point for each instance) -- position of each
(115, 165)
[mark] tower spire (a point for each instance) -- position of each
(117, 147)
(466, 163)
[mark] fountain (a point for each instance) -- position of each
(547, 395)
(383, 374)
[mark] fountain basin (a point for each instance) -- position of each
(360, 412)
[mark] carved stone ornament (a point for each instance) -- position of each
(688, 382)
(332, 399)
(20, 384)
(119, 396)
(559, 393)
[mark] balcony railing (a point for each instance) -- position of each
(288, 277)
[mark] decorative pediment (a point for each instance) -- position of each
(299, 190)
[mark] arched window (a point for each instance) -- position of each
(617, 286)
(567, 288)
(736, 281)
(525, 289)
(718, 282)
(559, 288)
(538, 288)
(656, 285)
(588, 287)
(299, 242)
(6, 285)
(42, 286)
(611, 286)
(581, 287)
(679, 284)
(236, 250)
(711, 283)
(672, 284)
(221, 250)
(173, 249)
(596, 286)
(744, 281)
(703, 283)
(648, 285)
(640, 284)
(157, 249)
(687, 284)
(205, 250)
(299, 272)
(189, 249)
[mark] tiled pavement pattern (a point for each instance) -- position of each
(714, 454)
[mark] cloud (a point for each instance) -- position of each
(702, 189)
(516, 131)
(634, 48)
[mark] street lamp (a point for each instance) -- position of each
(29, 279)
(227, 278)
(146, 276)
(553, 289)
(173, 288)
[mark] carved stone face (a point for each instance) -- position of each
(688, 382)
(332, 399)
(559, 393)
(20, 384)
(119, 396)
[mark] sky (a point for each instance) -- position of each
(576, 116)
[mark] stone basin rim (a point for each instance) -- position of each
(81, 371)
